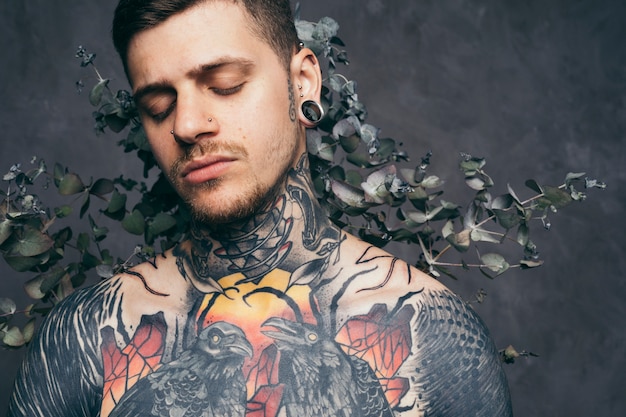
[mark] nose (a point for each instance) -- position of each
(193, 120)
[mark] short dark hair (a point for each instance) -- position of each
(272, 21)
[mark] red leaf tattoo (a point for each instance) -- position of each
(384, 341)
(124, 367)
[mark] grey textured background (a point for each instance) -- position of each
(536, 87)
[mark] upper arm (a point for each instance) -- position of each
(457, 371)
(61, 371)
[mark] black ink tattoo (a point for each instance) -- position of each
(455, 347)
(292, 101)
(145, 284)
(320, 378)
(206, 380)
(200, 258)
(258, 248)
(205, 284)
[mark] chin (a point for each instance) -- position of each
(229, 209)
(215, 203)
(211, 217)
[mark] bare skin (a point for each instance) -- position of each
(267, 309)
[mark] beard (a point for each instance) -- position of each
(239, 208)
(235, 206)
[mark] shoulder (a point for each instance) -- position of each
(72, 327)
(75, 323)
(81, 312)
(368, 271)
(63, 373)
(443, 356)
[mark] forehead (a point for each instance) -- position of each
(200, 35)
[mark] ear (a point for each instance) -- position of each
(307, 79)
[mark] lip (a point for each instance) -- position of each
(206, 169)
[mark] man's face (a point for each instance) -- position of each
(228, 99)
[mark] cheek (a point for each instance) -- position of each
(161, 150)
(268, 103)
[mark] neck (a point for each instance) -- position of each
(290, 232)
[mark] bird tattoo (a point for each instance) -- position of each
(204, 381)
(320, 379)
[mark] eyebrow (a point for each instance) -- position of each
(242, 64)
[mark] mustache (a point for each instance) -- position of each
(200, 149)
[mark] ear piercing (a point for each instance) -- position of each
(312, 111)
(300, 88)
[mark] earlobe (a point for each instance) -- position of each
(312, 111)
(306, 73)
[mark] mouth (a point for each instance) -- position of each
(206, 169)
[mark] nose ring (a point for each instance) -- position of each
(210, 119)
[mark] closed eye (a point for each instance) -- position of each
(161, 116)
(227, 91)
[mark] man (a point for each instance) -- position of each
(267, 309)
